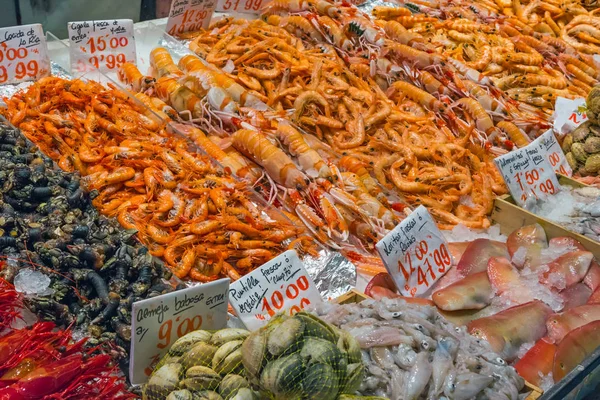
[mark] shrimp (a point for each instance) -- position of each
(400, 34)
(179, 96)
(310, 161)
(297, 22)
(163, 64)
(483, 122)
(516, 135)
(387, 13)
(130, 74)
(419, 58)
(276, 163)
(334, 33)
(420, 96)
(308, 97)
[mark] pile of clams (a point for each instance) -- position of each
(582, 146)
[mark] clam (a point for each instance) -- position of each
(353, 378)
(283, 376)
(182, 394)
(244, 394)
(231, 385)
(317, 350)
(163, 381)
(349, 345)
(254, 350)
(320, 382)
(228, 357)
(207, 395)
(316, 327)
(201, 353)
(285, 336)
(186, 342)
(227, 335)
(201, 378)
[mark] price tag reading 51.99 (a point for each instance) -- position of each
(23, 54)
(101, 45)
(415, 253)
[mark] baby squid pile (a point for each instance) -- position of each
(190, 213)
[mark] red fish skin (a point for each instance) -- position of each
(507, 330)
(574, 348)
(592, 278)
(476, 256)
(527, 236)
(538, 360)
(502, 274)
(471, 293)
(595, 297)
(564, 241)
(575, 296)
(560, 324)
(573, 266)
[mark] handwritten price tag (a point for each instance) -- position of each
(159, 321)
(241, 6)
(415, 253)
(282, 284)
(568, 114)
(103, 45)
(23, 54)
(550, 148)
(189, 16)
(527, 172)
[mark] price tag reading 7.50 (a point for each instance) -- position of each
(241, 6)
(528, 173)
(415, 253)
(282, 284)
(23, 54)
(102, 45)
(159, 321)
(189, 16)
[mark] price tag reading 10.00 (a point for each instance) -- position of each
(189, 16)
(282, 284)
(103, 45)
(23, 54)
(415, 253)
(159, 321)
(528, 173)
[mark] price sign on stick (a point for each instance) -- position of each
(569, 114)
(159, 321)
(23, 54)
(415, 253)
(103, 45)
(189, 16)
(527, 173)
(282, 284)
(242, 6)
(550, 148)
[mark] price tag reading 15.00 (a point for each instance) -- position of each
(415, 253)
(103, 45)
(189, 16)
(23, 54)
(282, 284)
(528, 173)
(159, 321)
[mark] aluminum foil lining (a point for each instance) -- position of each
(368, 6)
(332, 273)
(10, 90)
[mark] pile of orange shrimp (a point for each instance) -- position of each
(396, 143)
(187, 210)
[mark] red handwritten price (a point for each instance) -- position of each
(554, 158)
(533, 181)
(21, 69)
(192, 20)
(23, 55)
(244, 6)
(292, 291)
(109, 61)
(577, 117)
(425, 263)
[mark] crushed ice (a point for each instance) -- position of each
(32, 282)
(461, 233)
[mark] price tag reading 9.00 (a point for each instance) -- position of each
(415, 253)
(101, 45)
(528, 173)
(23, 54)
(282, 284)
(241, 6)
(189, 16)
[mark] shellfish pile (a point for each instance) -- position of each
(411, 352)
(582, 146)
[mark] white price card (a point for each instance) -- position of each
(527, 173)
(242, 6)
(568, 114)
(415, 253)
(550, 148)
(281, 284)
(23, 54)
(159, 321)
(102, 45)
(189, 16)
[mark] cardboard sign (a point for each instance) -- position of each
(527, 172)
(415, 253)
(241, 6)
(159, 321)
(189, 16)
(568, 114)
(281, 284)
(102, 45)
(23, 54)
(550, 148)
